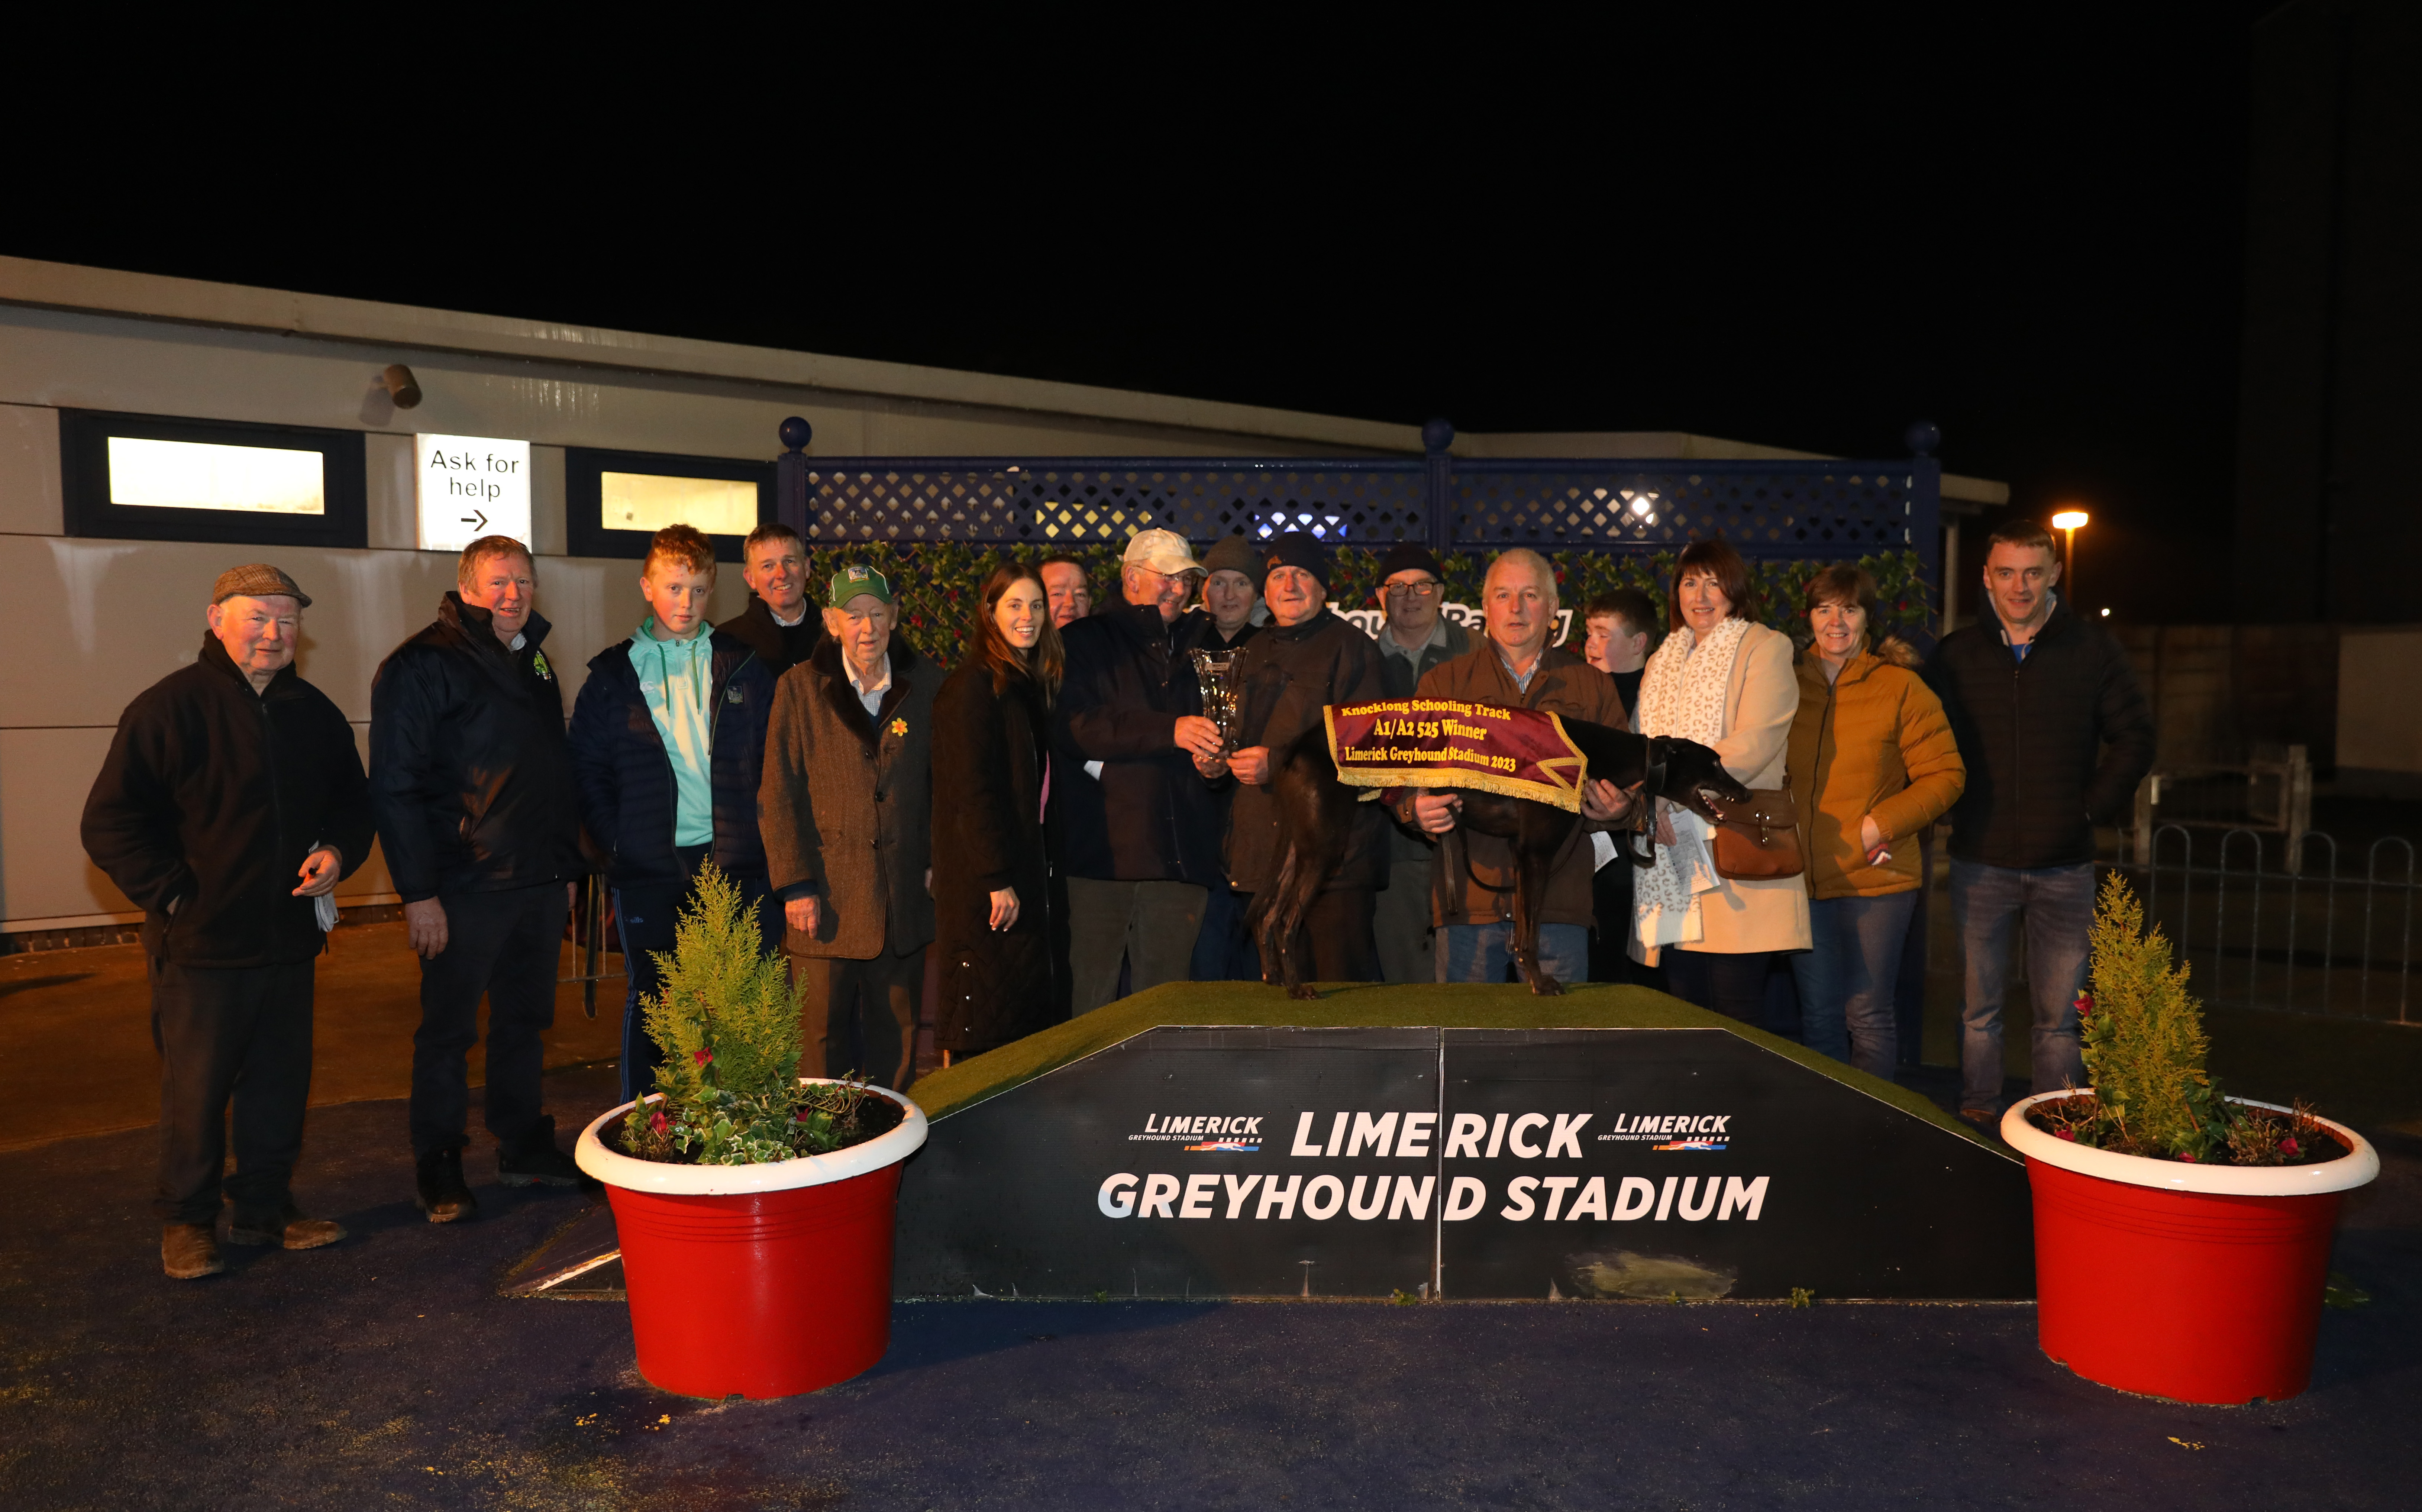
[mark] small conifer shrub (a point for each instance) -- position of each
(2143, 1037)
(726, 1017)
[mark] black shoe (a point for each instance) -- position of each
(545, 1166)
(1983, 1120)
(534, 1160)
(443, 1194)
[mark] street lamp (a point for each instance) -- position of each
(2069, 522)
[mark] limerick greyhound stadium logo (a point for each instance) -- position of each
(1686, 1133)
(1218, 1133)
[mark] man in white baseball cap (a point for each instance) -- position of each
(1140, 830)
(1166, 553)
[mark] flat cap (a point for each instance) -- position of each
(1234, 554)
(257, 580)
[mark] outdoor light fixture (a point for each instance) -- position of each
(2069, 522)
(400, 386)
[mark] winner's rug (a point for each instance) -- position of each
(1450, 742)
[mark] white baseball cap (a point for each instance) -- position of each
(1163, 551)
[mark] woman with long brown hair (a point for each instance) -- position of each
(991, 875)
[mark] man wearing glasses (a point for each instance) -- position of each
(1137, 829)
(1415, 638)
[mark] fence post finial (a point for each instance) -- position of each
(791, 476)
(1436, 435)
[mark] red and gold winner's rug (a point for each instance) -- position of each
(1451, 743)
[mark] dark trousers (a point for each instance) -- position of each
(1732, 984)
(508, 946)
(237, 1035)
(1337, 935)
(859, 1017)
(645, 915)
(1611, 895)
(1222, 952)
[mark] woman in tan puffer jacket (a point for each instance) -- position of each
(1871, 763)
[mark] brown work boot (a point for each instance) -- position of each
(440, 1188)
(189, 1251)
(290, 1229)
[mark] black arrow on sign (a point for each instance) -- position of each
(481, 524)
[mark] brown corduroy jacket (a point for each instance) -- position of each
(1875, 740)
(1564, 684)
(846, 808)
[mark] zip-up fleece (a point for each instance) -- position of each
(1872, 741)
(211, 797)
(2054, 743)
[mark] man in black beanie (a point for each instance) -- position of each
(1412, 590)
(1303, 660)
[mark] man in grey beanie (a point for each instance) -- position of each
(1412, 590)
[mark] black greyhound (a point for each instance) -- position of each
(1316, 817)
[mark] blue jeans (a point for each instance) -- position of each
(1847, 982)
(1986, 902)
(1479, 953)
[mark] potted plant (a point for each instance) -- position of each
(754, 1206)
(2182, 1238)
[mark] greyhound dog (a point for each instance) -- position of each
(1316, 817)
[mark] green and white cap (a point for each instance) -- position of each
(854, 579)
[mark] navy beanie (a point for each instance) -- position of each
(1297, 549)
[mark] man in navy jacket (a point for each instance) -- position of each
(668, 747)
(2056, 735)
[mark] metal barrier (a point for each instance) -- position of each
(2272, 793)
(2286, 939)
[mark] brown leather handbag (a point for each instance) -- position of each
(1758, 841)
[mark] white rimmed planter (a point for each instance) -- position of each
(761, 1280)
(2196, 1283)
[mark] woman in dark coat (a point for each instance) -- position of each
(991, 912)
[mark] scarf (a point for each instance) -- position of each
(1683, 694)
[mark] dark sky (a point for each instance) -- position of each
(2028, 230)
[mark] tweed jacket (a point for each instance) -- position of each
(846, 808)
(1564, 684)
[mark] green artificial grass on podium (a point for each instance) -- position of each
(1372, 1006)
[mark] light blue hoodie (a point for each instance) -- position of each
(677, 678)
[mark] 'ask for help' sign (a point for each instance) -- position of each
(469, 487)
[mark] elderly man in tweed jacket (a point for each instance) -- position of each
(846, 810)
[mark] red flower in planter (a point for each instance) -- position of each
(659, 1122)
(701, 1057)
(2085, 1007)
(2188, 1156)
(2287, 1145)
(2066, 1134)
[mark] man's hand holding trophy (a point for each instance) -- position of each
(1215, 675)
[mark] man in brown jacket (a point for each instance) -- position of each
(1516, 668)
(845, 811)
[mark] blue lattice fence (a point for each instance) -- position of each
(1770, 511)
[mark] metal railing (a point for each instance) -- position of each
(2297, 936)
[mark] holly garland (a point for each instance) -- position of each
(936, 583)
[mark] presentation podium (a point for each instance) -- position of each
(1218, 1140)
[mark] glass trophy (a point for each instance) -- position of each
(1214, 673)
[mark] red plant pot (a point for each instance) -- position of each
(2195, 1282)
(757, 1279)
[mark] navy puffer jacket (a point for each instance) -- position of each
(625, 775)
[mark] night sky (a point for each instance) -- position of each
(2028, 230)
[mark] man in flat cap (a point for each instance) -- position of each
(846, 811)
(231, 803)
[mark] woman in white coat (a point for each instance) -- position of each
(1726, 682)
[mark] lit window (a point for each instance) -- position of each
(650, 501)
(195, 475)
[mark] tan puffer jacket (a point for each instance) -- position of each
(1873, 741)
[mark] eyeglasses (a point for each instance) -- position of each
(1419, 589)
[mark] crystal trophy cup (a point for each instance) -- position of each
(1215, 674)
